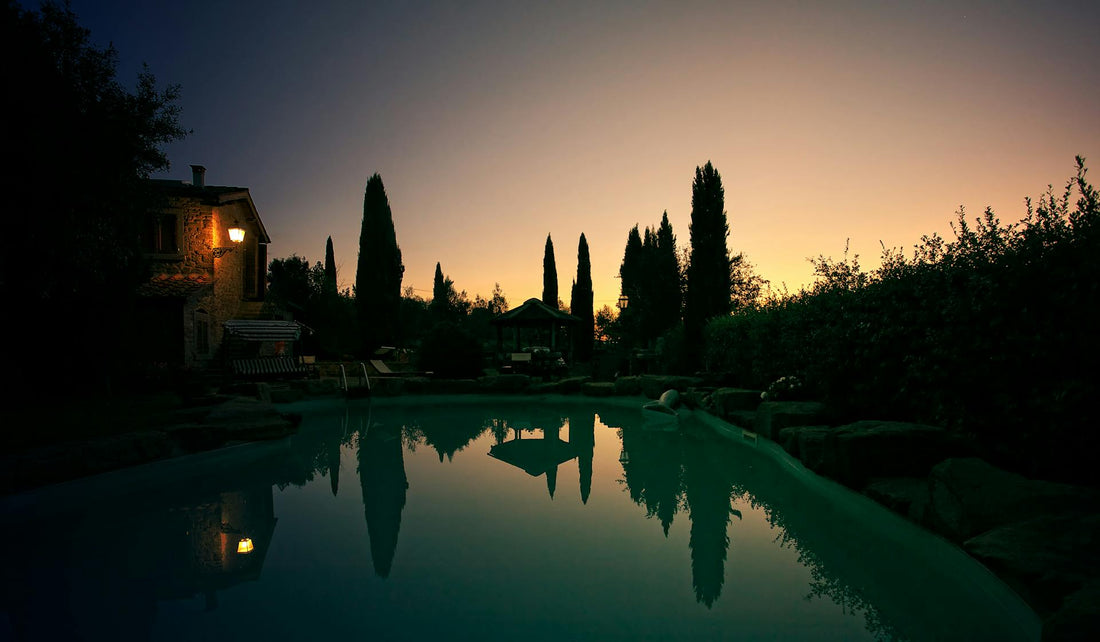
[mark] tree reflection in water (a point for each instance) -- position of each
(384, 484)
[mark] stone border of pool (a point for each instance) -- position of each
(1039, 537)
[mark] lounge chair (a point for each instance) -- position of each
(385, 371)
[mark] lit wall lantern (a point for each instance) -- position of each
(245, 546)
(624, 300)
(236, 234)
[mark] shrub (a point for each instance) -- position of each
(450, 351)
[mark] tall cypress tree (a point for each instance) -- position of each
(667, 295)
(549, 276)
(580, 302)
(630, 277)
(330, 269)
(708, 277)
(440, 296)
(379, 272)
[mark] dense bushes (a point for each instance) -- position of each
(450, 351)
(993, 333)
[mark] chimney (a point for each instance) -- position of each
(198, 176)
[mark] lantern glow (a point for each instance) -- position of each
(245, 545)
(236, 234)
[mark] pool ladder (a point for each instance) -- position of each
(364, 380)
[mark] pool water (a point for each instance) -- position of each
(488, 519)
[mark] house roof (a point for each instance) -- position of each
(213, 195)
(174, 285)
(533, 311)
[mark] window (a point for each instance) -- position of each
(162, 234)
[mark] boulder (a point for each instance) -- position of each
(600, 389)
(788, 437)
(969, 496)
(545, 388)
(573, 384)
(653, 386)
(812, 446)
(773, 416)
(627, 386)
(906, 496)
(1045, 558)
(1078, 619)
(505, 383)
(728, 400)
(742, 419)
(862, 450)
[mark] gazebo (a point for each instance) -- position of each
(534, 316)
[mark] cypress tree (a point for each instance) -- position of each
(330, 269)
(667, 295)
(549, 276)
(379, 271)
(708, 277)
(630, 276)
(440, 299)
(580, 302)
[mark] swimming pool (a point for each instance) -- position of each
(548, 518)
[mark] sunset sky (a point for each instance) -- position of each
(495, 124)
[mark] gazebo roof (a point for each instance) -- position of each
(534, 311)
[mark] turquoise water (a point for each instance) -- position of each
(548, 519)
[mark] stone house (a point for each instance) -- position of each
(200, 277)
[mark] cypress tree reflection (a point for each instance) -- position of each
(582, 436)
(384, 484)
(652, 472)
(708, 494)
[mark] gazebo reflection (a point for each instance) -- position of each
(538, 456)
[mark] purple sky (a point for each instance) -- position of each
(494, 124)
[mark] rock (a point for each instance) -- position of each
(628, 386)
(1047, 557)
(742, 419)
(546, 388)
(862, 450)
(811, 446)
(728, 400)
(573, 384)
(788, 437)
(906, 496)
(505, 383)
(1078, 620)
(773, 416)
(969, 496)
(600, 389)
(653, 386)
(451, 386)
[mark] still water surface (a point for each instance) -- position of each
(553, 519)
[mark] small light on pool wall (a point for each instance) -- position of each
(245, 546)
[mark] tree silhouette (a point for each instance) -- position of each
(330, 269)
(580, 302)
(378, 274)
(384, 485)
(708, 276)
(549, 276)
(82, 145)
(708, 494)
(666, 278)
(631, 276)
